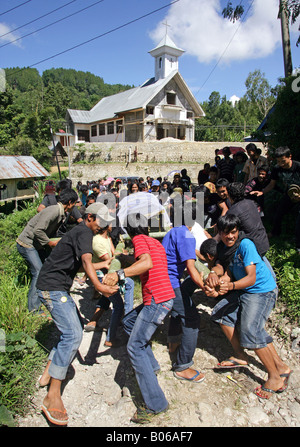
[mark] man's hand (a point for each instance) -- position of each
(210, 291)
(53, 244)
(107, 290)
(212, 280)
(110, 279)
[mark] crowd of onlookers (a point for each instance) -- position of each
(258, 173)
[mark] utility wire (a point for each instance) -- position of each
(229, 43)
(51, 24)
(38, 18)
(9, 10)
(99, 36)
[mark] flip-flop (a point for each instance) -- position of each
(235, 364)
(268, 390)
(53, 420)
(192, 379)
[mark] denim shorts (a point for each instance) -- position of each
(248, 311)
(68, 321)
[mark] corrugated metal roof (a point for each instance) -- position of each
(132, 99)
(15, 166)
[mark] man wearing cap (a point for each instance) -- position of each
(155, 186)
(73, 252)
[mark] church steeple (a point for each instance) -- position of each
(166, 56)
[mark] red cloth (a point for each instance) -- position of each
(156, 282)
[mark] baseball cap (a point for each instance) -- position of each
(100, 210)
(155, 183)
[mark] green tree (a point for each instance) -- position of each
(283, 123)
(259, 93)
(292, 8)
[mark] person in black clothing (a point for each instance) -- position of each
(51, 199)
(283, 176)
(226, 165)
(251, 223)
(73, 252)
(203, 174)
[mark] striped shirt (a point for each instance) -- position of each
(155, 282)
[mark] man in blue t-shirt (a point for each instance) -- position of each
(251, 298)
(180, 246)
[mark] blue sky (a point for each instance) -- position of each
(218, 56)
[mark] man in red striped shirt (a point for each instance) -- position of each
(141, 323)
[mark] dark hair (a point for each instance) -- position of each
(228, 223)
(226, 150)
(282, 151)
(68, 195)
(213, 169)
(136, 224)
(90, 197)
(236, 191)
(251, 147)
(201, 188)
(263, 168)
(222, 182)
(131, 185)
(209, 247)
(63, 184)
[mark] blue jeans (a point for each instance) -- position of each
(184, 325)
(31, 256)
(250, 312)
(66, 317)
(119, 308)
(140, 324)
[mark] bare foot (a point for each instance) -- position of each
(233, 362)
(190, 374)
(270, 387)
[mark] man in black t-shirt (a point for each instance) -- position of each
(285, 174)
(73, 252)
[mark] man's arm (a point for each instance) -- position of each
(196, 277)
(142, 265)
(89, 269)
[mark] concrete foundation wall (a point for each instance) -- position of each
(157, 158)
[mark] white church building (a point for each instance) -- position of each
(161, 107)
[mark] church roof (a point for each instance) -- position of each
(136, 98)
(166, 44)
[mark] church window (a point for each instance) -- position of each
(119, 125)
(171, 98)
(102, 129)
(110, 128)
(149, 110)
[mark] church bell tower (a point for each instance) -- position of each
(166, 56)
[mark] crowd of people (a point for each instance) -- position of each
(217, 224)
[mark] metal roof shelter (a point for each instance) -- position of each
(17, 174)
(17, 167)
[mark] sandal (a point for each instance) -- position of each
(53, 420)
(235, 364)
(192, 379)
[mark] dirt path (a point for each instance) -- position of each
(101, 390)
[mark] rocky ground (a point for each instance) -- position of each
(101, 390)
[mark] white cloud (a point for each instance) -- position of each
(199, 28)
(7, 37)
